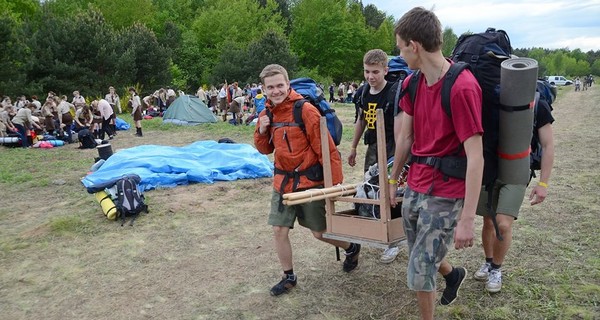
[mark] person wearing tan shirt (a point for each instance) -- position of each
(22, 121)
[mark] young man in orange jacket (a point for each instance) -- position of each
(298, 166)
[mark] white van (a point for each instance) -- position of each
(559, 81)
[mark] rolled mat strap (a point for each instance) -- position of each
(517, 108)
(514, 156)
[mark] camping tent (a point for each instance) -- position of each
(188, 110)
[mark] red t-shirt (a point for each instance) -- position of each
(437, 135)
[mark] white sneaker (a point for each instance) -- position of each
(483, 273)
(389, 255)
(494, 283)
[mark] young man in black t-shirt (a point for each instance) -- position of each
(508, 203)
(376, 97)
(370, 97)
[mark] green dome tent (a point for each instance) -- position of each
(188, 110)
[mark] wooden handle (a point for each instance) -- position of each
(316, 192)
(319, 197)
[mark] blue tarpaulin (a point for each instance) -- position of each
(165, 166)
(122, 124)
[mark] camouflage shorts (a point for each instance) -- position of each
(429, 223)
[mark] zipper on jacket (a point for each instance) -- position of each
(286, 140)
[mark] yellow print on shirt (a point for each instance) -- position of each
(371, 115)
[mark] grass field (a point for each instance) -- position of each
(206, 252)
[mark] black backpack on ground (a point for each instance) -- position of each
(130, 200)
(86, 139)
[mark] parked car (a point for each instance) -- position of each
(559, 81)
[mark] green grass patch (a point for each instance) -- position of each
(14, 177)
(66, 225)
(10, 245)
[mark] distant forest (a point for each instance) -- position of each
(87, 45)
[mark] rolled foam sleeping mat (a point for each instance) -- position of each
(56, 143)
(518, 81)
(108, 206)
(9, 140)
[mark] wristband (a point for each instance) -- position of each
(543, 184)
(392, 181)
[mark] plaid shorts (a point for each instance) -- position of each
(429, 224)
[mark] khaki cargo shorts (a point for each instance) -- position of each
(310, 215)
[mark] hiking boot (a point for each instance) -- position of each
(451, 292)
(351, 261)
(494, 282)
(389, 255)
(284, 286)
(483, 272)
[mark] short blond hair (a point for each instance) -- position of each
(376, 57)
(273, 70)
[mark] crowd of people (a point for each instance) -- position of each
(243, 104)
(59, 117)
(345, 91)
(586, 82)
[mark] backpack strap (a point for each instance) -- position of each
(411, 89)
(449, 80)
(397, 96)
(298, 122)
(413, 85)
(366, 87)
(536, 101)
(298, 114)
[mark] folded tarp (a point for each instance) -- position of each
(122, 124)
(165, 166)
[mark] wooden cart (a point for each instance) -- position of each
(347, 225)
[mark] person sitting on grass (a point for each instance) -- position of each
(83, 118)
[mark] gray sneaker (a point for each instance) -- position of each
(389, 255)
(483, 273)
(494, 283)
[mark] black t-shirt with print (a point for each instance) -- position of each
(368, 113)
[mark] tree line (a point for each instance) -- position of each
(87, 45)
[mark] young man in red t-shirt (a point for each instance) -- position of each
(436, 208)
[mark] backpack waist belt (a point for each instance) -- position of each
(450, 166)
(313, 173)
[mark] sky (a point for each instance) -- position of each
(548, 24)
